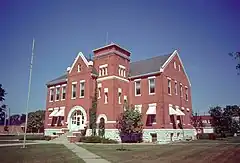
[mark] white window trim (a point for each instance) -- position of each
(74, 83)
(99, 92)
(152, 77)
(64, 86)
(103, 66)
(186, 93)
(119, 97)
(51, 91)
(150, 87)
(169, 79)
(181, 90)
(175, 65)
(135, 89)
(79, 68)
(138, 107)
(121, 66)
(57, 87)
(176, 88)
(179, 68)
(80, 88)
(105, 97)
(99, 85)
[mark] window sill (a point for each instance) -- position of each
(73, 98)
(154, 123)
(81, 97)
(56, 100)
(50, 101)
(137, 95)
(169, 94)
(105, 103)
(62, 99)
(151, 93)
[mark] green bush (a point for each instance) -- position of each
(97, 139)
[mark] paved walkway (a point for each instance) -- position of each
(84, 154)
(15, 144)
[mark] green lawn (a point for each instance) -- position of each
(45, 153)
(187, 153)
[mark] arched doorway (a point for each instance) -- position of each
(77, 118)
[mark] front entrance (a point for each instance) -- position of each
(77, 118)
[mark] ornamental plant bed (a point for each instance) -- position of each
(97, 139)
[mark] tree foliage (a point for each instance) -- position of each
(130, 121)
(36, 121)
(236, 56)
(196, 121)
(93, 112)
(3, 107)
(225, 119)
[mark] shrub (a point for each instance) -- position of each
(97, 139)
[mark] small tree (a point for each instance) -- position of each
(36, 121)
(129, 124)
(93, 112)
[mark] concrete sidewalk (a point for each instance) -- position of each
(16, 144)
(84, 154)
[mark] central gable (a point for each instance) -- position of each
(80, 64)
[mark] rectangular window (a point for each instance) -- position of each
(63, 92)
(169, 86)
(175, 87)
(99, 93)
(186, 93)
(51, 94)
(181, 90)
(119, 97)
(179, 68)
(137, 88)
(57, 93)
(139, 108)
(151, 83)
(82, 88)
(79, 68)
(151, 119)
(74, 94)
(106, 98)
(175, 66)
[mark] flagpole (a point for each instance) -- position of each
(29, 90)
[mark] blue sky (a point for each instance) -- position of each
(204, 32)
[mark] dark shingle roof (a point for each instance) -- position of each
(147, 66)
(58, 80)
(137, 68)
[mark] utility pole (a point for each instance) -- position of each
(29, 90)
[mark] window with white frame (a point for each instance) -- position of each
(137, 88)
(179, 67)
(122, 71)
(79, 68)
(169, 86)
(175, 87)
(82, 88)
(74, 93)
(63, 92)
(119, 95)
(151, 83)
(181, 89)
(125, 103)
(103, 70)
(105, 95)
(186, 93)
(57, 93)
(51, 94)
(99, 93)
(138, 108)
(175, 65)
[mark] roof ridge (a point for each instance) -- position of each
(151, 58)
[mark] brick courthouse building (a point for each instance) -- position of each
(158, 87)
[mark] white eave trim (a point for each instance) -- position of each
(111, 45)
(80, 54)
(175, 52)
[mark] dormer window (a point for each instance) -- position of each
(175, 65)
(79, 68)
(122, 71)
(103, 70)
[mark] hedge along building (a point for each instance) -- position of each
(158, 87)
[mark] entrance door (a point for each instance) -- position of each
(77, 121)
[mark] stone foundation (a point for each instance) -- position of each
(163, 135)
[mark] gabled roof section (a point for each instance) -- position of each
(148, 66)
(80, 54)
(60, 79)
(169, 60)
